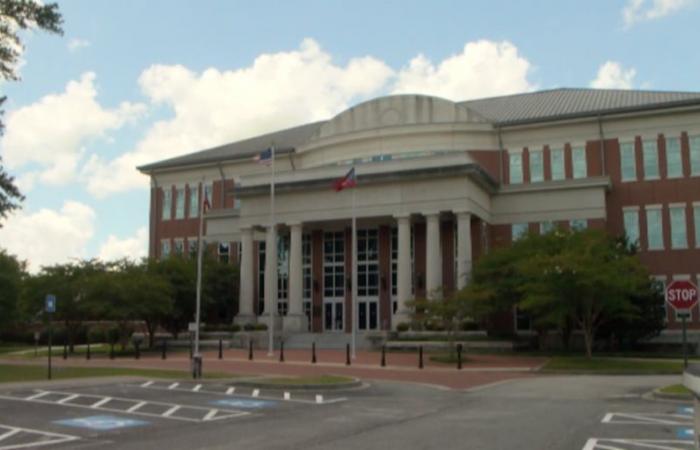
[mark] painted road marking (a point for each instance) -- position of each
(684, 433)
(147, 383)
(319, 398)
(36, 396)
(211, 414)
(27, 437)
(244, 403)
(172, 386)
(686, 410)
(646, 419)
(287, 396)
(232, 390)
(101, 402)
(197, 388)
(636, 444)
(201, 414)
(101, 423)
(67, 399)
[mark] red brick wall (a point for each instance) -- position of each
(489, 160)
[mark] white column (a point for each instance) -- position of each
(247, 281)
(464, 249)
(403, 269)
(433, 263)
(295, 273)
(270, 273)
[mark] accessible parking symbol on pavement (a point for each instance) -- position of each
(244, 403)
(102, 423)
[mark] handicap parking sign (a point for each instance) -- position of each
(244, 403)
(101, 423)
(50, 303)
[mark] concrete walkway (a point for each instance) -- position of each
(477, 369)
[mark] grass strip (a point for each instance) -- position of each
(612, 366)
(676, 389)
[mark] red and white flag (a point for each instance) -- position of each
(348, 181)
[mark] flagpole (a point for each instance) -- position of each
(269, 254)
(197, 358)
(354, 275)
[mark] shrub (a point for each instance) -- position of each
(249, 327)
(260, 327)
(403, 326)
(231, 328)
(97, 335)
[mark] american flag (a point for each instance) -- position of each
(206, 205)
(265, 157)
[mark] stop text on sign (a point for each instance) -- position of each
(682, 295)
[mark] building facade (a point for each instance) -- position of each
(439, 183)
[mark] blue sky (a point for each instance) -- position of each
(133, 81)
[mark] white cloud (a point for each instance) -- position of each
(76, 44)
(217, 106)
(134, 247)
(49, 236)
(483, 68)
(643, 10)
(612, 75)
(52, 132)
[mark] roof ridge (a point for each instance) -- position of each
(579, 89)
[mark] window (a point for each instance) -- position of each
(180, 203)
(236, 203)
(179, 247)
(517, 231)
(306, 266)
(655, 235)
(334, 264)
(208, 194)
(282, 274)
(631, 221)
(674, 163)
(192, 247)
(261, 277)
(628, 161)
(367, 263)
(578, 224)
(651, 159)
(194, 201)
(536, 166)
(167, 203)
(515, 167)
(679, 238)
(695, 155)
(557, 162)
(659, 282)
(394, 262)
(696, 221)
(546, 226)
(224, 251)
(164, 248)
(578, 155)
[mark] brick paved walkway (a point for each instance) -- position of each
(478, 370)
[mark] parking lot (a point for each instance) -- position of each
(588, 413)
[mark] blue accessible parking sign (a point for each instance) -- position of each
(101, 423)
(50, 303)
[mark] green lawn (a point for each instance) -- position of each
(448, 358)
(6, 348)
(677, 389)
(612, 366)
(319, 379)
(11, 373)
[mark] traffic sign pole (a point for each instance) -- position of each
(685, 340)
(50, 308)
(682, 295)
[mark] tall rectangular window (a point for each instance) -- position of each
(628, 161)
(167, 203)
(655, 232)
(696, 223)
(515, 167)
(180, 203)
(208, 194)
(631, 220)
(517, 231)
(164, 248)
(674, 163)
(650, 152)
(536, 166)
(695, 155)
(578, 155)
(557, 163)
(224, 252)
(546, 226)
(194, 201)
(679, 237)
(179, 247)
(578, 224)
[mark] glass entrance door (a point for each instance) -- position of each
(333, 315)
(333, 280)
(368, 279)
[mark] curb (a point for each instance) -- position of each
(656, 393)
(356, 382)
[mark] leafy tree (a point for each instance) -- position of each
(181, 274)
(16, 15)
(219, 291)
(12, 272)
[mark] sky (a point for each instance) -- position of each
(132, 82)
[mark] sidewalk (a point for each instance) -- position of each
(477, 369)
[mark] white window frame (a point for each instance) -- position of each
(579, 150)
(578, 224)
(628, 145)
(646, 143)
(649, 209)
(678, 207)
(192, 248)
(513, 236)
(167, 207)
(193, 210)
(679, 153)
(179, 203)
(556, 175)
(179, 247)
(514, 155)
(539, 176)
(547, 226)
(635, 210)
(165, 250)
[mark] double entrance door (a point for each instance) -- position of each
(335, 285)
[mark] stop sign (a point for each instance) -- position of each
(682, 294)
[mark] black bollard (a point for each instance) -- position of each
(111, 350)
(383, 364)
(281, 351)
(191, 347)
(164, 350)
(221, 349)
(138, 352)
(87, 351)
(347, 354)
(420, 357)
(313, 353)
(65, 350)
(459, 356)
(250, 350)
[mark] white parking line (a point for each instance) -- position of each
(136, 406)
(173, 386)
(646, 419)
(629, 444)
(36, 396)
(319, 398)
(210, 414)
(101, 402)
(147, 383)
(230, 390)
(287, 396)
(67, 399)
(256, 392)
(197, 388)
(171, 411)
(43, 438)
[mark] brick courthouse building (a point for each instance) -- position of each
(439, 183)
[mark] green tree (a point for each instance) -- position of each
(17, 15)
(181, 275)
(12, 272)
(219, 290)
